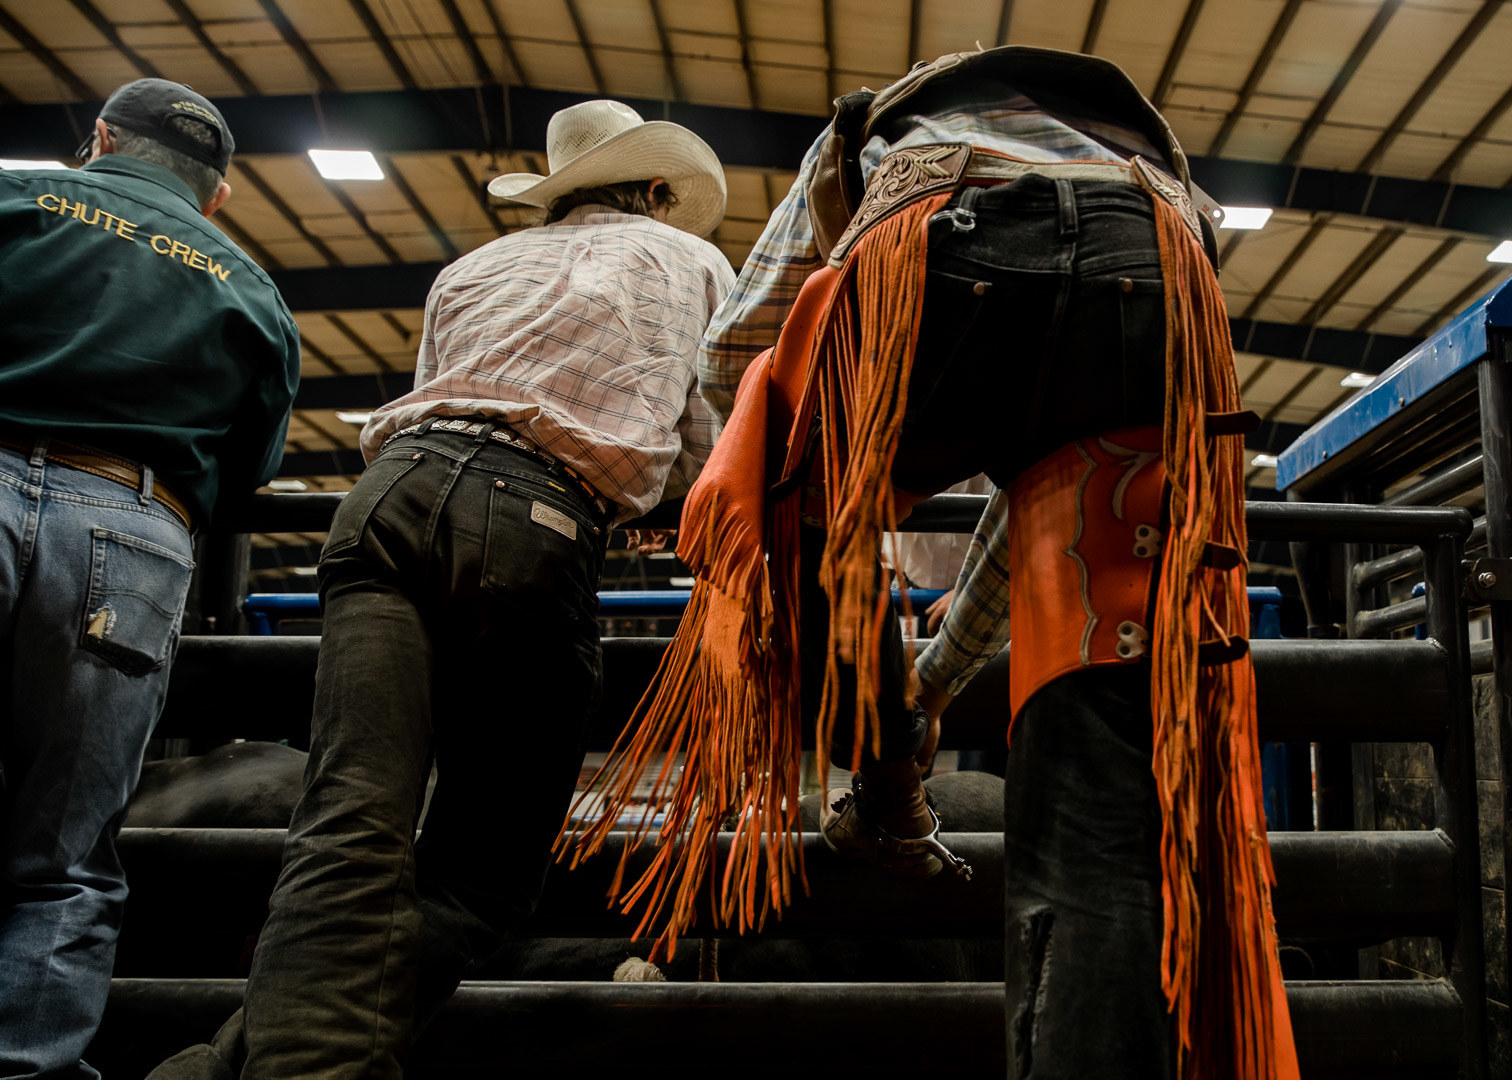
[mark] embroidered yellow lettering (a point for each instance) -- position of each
(159, 242)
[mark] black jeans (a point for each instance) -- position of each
(460, 587)
(1043, 323)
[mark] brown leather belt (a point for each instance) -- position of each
(126, 473)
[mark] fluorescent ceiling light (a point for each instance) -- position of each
(288, 485)
(1501, 253)
(347, 164)
(26, 163)
(303, 571)
(353, 417)
(681, 582)
(1264, 461)
(1245, 217)
(1356, 379)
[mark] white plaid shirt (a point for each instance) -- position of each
(582, 336)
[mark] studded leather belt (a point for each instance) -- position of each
(126, 473)
(509, 438)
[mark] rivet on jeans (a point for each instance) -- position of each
(980, 287)
(498, 483)
(414, 457)
(1126, 284)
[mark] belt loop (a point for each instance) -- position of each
(1065, 200)
(144, 493)
(38, 454)
(485, 429)
(425, 425)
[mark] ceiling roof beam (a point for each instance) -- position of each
(1440, 71)
(1461, 299)
(349, 204)
(465, 35)
(1178, 49)
(323, 80)
(244, 240)
(479, 193)
(49, 59)
(308, 350)
(669, 64)
(1356, 57)
(1420, 271)
(242, 80)
(582, 34)
(1005, 19)
(443, 241)
(914, 15)
(460, 119)
(1356, 269)
(1314, 231)
(107, 30)
(1445, 171)
(1256, 73)
(285, 211)
(358, 340)
(1094, 25)
(404, 286)
(385, 46)
(745, 53)
(505, 43)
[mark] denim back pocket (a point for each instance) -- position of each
(358, 505)
(136, 600)
(540, 552)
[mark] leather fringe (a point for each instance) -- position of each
(1219, 965)
(726, 695)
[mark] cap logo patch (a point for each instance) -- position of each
(198, 110)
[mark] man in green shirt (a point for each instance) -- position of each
(147, 368)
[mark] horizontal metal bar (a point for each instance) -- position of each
(1379, 1028)
(1378, 622)
(1339, 522)
(312, 511)
(1408, 560)
(1365, 886)
(1452, 482)
(263, 688)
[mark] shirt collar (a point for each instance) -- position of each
(144, 170)
(595, 213)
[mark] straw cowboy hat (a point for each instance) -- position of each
(605, 142)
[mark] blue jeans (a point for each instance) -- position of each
(93, 579)
(459, 585)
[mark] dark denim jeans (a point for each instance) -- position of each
(459, 585)
(93, 578)
(1043, 323)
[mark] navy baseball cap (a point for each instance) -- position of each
(146, 106)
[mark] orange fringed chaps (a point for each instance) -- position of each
(727, 692)
(1220, 970)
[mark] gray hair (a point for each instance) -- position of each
(202, 179)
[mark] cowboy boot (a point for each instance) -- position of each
(886, 818)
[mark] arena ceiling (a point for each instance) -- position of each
(1377, 130)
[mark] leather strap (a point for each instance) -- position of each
(123, 472)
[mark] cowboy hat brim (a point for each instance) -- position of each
(655, 148)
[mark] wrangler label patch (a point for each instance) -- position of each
(553, 519)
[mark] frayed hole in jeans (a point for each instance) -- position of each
(1034, 933)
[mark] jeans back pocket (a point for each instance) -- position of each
(359, 503)
(137, 591)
